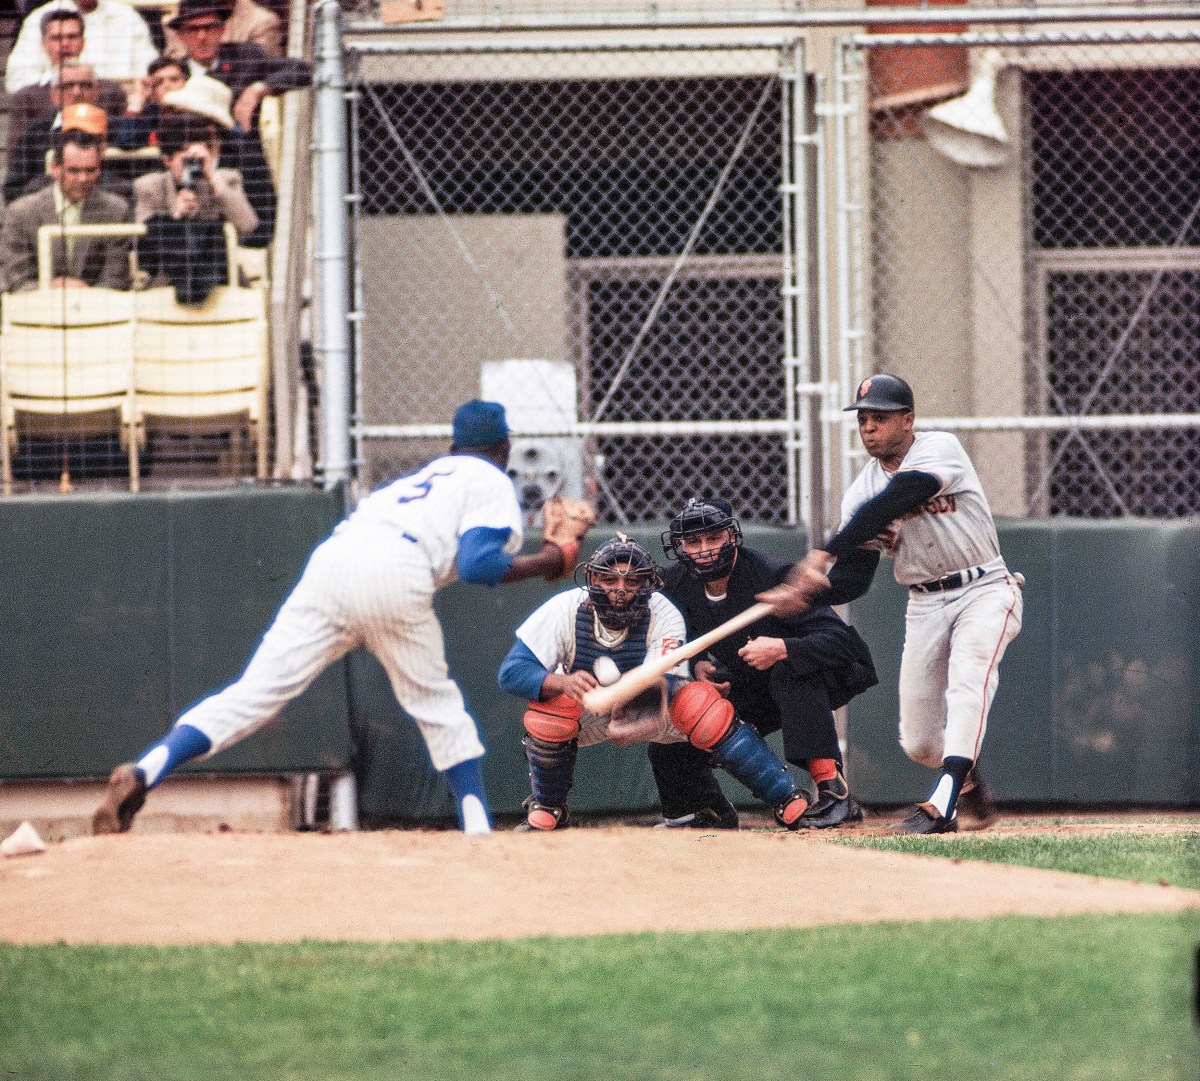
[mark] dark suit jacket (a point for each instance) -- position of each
(240, 63)
(27, 160)
(31, 104)
(97, 261)
(818, 641)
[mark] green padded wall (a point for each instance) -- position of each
(118, 611)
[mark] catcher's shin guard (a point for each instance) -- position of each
(745, 755)
(551, 770)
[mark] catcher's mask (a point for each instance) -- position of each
(619, 578)
(698, 518)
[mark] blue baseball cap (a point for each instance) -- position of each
(479, 424)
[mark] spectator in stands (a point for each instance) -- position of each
(239, 150)
(72, 199)
(185, 207)
(250, 22)
(62, 42)
(75, 86)
(116, 43)
(245, 68)
(135, 128)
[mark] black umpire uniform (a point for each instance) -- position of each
(827, 664)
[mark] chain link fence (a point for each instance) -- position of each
(605, 229)
(1024, 247)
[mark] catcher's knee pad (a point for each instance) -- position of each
(701, 714)
(551, 769)
(744, 754)
(556, 720)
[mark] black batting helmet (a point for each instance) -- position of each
(707, 515)
(619, 556)
(886, 393)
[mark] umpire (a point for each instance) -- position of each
(782, 674)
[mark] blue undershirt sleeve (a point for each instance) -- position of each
(521, 673)
(905, 491)
(481, 557)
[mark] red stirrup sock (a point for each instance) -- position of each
(822, 769)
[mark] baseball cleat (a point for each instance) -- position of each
(976, 802)
(926, 819)
(124, 798)
(833, 807)
(542, 819)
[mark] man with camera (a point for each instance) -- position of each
(185, 207)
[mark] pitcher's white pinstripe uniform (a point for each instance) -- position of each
(954, 638)
(372, 584)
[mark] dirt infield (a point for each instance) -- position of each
(403, 885)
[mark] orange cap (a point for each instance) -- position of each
(89, 118)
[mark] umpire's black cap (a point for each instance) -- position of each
(886, 393)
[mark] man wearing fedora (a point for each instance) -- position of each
(247, 69)
(117, 43)
(172, 92)
(185, 206)
(240, 151)
(73, 197)
(250, 22)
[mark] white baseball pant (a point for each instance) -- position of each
(363, 586)
(950, 667)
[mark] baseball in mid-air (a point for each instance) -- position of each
(606, 671)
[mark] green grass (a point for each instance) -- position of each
(1173, 858)
(1086, 999)
(1089, 998)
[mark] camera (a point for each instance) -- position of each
(193, 173)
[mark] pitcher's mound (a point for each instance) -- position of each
(396, 885)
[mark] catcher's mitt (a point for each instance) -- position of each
(565, 522)
(641, 719)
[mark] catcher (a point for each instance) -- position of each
(608, 625)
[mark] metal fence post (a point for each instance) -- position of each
(332, 255)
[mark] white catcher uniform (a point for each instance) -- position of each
(549, 633)
(955, 635)
(371, 583)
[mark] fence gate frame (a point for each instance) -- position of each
(846, 125)
(805, 398)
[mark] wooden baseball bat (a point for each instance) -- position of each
(632, 683)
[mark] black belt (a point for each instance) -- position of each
(952, 581)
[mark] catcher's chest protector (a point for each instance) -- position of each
(629, 654)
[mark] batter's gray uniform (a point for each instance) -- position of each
(954, 637)
(372, 584)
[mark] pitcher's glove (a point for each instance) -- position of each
(565, 522)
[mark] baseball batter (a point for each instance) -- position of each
(613, 621)
(372, 584)
(920, 502)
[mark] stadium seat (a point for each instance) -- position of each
(203, 367)
(67, 353)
